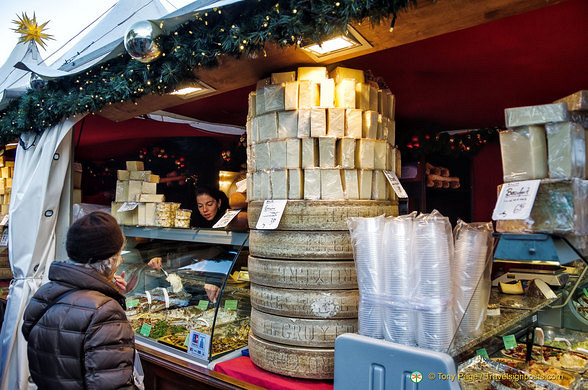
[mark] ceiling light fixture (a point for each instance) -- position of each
(196, 88)
(349, 42)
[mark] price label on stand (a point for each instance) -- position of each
(145, 330)
(395, 183)
(271, 214)
(202, 305)
(231, 304)
(132, 303)
(198, 344)
(4, 220)
(128, 206)
(241, 185)
(509, 341)
(516, 200)
(225, 219)
(585, 292)
(482, 352)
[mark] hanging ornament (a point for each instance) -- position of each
(36, 82)
(140, 41)
(30, 31)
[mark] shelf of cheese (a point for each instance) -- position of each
(138, 186)
(6, 174)
(321, 136)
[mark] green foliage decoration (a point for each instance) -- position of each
(235, 30)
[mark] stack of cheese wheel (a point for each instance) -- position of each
(322, 141)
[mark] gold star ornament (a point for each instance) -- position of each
(29, 30)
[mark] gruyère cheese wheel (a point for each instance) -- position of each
(300, 331)
(323, 214)
(298, 362)
(302, 274)
(308, 245)
(318, 304)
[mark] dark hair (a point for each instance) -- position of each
(213, 193)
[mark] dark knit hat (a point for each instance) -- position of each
(94, 237)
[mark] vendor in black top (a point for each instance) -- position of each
(212, 205)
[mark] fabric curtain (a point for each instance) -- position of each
(41, 172)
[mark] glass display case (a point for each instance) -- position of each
(188, 290)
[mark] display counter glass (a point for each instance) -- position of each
(188, 290)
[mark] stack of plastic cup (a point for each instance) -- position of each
(399, 283)
(471, 293)
(433, 252)
(366, 238)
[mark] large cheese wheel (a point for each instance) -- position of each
(323, 214)
(300, 331)
(318, 304)
(308, 245)
(319, 275)
(298, 362)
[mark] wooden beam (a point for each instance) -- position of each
(426, 20)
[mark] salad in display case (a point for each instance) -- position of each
(187, 290)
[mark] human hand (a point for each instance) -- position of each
(120, 282)
(212, 291)
(155, 263)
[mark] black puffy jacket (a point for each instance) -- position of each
(77, 331)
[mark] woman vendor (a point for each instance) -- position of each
(211, 204)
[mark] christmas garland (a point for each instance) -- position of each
(235, 30)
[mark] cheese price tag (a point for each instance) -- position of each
(225, 219)
(395, 183)
(241, 185)
(198, 344)
(585, 292)
(145, 330)
(128, 206)
(4, 220)
(202, 304)
(482, 352)
(509, 341)
(132, 303)
(516, 200)
(187, 340)
(231, 304)
(271, 214)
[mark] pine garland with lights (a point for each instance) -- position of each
(238, 29)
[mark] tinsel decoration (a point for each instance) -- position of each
(234, 30)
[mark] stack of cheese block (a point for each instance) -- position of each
(139, 186)
(322, 143)
(542, 142)
(7, 171)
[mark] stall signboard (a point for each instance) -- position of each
(516, 200)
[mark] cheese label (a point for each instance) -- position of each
(231, 304)
(516, 200)
(585, 292)
(198, 344)
(145, 330)
(271, 214)
(482, 352)
(226, 218)
(132, 303)
(202, 304)
(128, 206)
(395, 183)
(510, 341)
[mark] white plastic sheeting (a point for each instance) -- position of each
(13, 81)
(40, 171)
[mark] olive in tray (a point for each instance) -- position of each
(555, 357)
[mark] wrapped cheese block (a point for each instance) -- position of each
(122, 191)
(273, 96)
(365, 180)
(345, 94)
(256, 195)
(327, 152)
(336, 122)
(362, 96)
(262, 157)
(331, 184)
(268, 126)
(303, 123)
(346, 153)
(279, 183)
(327, 93)
(278, 155)
(566, 150)
(524, 153)
(370, 124)
(265, 185)
(560, 207)
(291, 95)
(293, 154)
(340, 73)
(287, 124)
(379, 186)
(252, 130)
(313, 73)
(373, 98)
(252, 105)
(364, 153)
(535, 115)
(135, 188)
(350, 184)
(149, 188)
(123, 174)
(295, 184)
(312, 184)
(147, 214)
(318, 122)
(135, 166)
(380, 151)
(353, 123)
(310, 153)
(283, 77)
(308, 94)
(576, 101)
(259, 102)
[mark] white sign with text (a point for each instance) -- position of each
(395, 183)
(225, 219)
(516, 200)
(271, 214)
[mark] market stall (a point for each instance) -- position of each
(227, 82)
